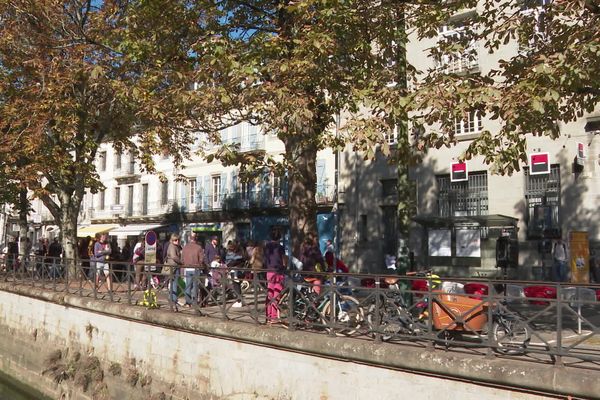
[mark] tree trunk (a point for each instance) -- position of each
(302, 189)
(68, 230)
(406, 187)
(23, 228)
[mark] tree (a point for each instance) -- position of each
(551, 79)
(292, 67)
(76, 73)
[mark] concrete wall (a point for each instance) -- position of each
(200, 358)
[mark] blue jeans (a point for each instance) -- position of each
(559, 271)
(173, 284)
(191, 286)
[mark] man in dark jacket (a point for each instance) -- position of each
(192, 256)
(211, 250)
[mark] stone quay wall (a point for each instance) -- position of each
(71, 347)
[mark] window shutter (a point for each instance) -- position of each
(206, 193)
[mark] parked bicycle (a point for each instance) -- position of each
(447, 315)
(334, 309)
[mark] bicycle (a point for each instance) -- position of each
(342, 316)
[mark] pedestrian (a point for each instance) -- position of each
(312, 260)
(193, 261)
(138, 259)
(559, 267)
(92, 257)
(274, 259)
(12, 253)
(102, 253)
(234, 258)
(54, 253)
(211, 250)
(172, 263)
(329, 246)
(84, 257)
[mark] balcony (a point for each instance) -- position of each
(135, 210)
(248, 144)
(254, 199)
(463, 63)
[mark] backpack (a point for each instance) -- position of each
(139, 253)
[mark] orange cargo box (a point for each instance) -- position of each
(459, 312)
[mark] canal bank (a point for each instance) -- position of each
(12, 389)
(85, 348)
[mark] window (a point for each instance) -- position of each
(470, 124)
(244, 188)
(362, 228)
(216, 191)
(463, 198)
(164, 193)
(102, 202)
(117, 195)
(389, 223)
(192, 191)
(129, 200)
(145, 199)
(131, 163)
(102, 161)
(279, 185)
(533, 29)
(389, 187)
(542, 194)
(392, 137)
(457, 61)
(529, 4)
(118, 157)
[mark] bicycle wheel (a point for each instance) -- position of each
(511, 336)
(300, 307)
(283, 305)
(393, 320)
(349, 315)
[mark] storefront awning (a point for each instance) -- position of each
(205, 227)
(493, 220)
(91, 230)
(134, 229)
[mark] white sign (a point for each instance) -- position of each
(440, 243)
(468, 243)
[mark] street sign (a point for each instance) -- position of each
(580, 159)
(539, 163)
(579, 249)
(459, 172)
(150, 250)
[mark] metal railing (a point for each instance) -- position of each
(541, 321)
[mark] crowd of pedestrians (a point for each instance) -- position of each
(192, 272)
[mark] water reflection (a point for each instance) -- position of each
(14, 390)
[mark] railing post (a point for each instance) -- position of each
(129, 277)
(430, 332)
(491, 304)
(255, 285)
(333, 304)
(559, 326)
(291, 302)
(379, 310)
(224, 286)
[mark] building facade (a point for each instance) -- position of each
(463, 208)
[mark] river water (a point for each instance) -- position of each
(11, 390)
